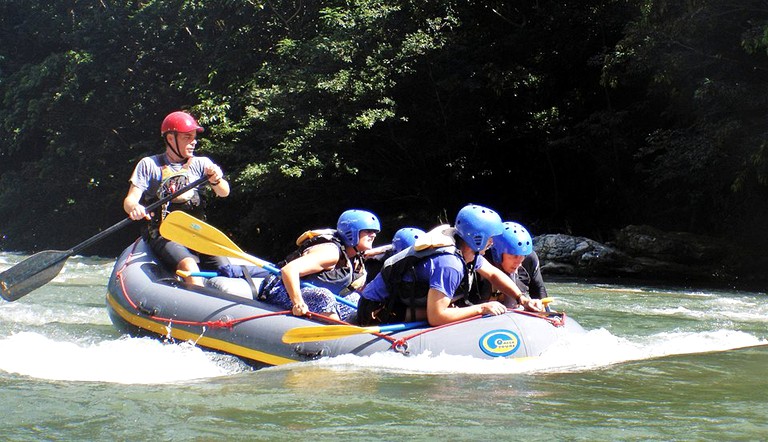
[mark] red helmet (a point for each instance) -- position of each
(179, 122)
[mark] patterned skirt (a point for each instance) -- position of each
(318, 300)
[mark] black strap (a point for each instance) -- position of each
(412, 308)
(251, 284)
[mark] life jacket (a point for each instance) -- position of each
(190, 202)
(399, 271)
(524, 279)
(374, 260)
(346, 276)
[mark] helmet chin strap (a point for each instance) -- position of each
(357, 252)
(175, 149)
(471, 267)
(472, 264)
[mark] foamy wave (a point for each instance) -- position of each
(597, 349)
(123, 361)
(36, 315)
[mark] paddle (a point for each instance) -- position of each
(186, 274)
(40, 268)
(329, 332)
(195, 234)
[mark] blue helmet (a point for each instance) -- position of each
(405, 238)
(352, 221)
(515, 240)
(476, 225)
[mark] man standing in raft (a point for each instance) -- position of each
(161, 175)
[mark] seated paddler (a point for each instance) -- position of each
(402, 239)
(326, 264)
(429, 279)
(513, 253)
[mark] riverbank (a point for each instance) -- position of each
(646, 255)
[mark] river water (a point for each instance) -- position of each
(658, 363)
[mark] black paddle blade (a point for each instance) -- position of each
(32, 273)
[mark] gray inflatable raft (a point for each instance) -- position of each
(144, 298)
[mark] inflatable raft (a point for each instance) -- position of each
(144, 298)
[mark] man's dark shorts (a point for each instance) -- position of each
(172, 253)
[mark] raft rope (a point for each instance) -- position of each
(399, 345)
(555, 318)
(219, 323)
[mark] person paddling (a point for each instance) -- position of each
(331, 261)
(401, 240)
(159, 175)
(428, 279)
(513, 253)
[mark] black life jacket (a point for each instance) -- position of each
(399, 275)
(524, 278)
(346, 276)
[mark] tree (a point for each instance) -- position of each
(702, 162)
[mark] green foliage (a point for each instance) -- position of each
(578, 117)
(704, 69)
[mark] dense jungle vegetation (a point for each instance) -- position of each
(575, 117)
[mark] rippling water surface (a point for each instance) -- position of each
(657, 364)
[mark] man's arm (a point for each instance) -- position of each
(439, 310)
(504, 283)
(131, 204)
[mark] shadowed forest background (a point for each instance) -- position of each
(569, 117)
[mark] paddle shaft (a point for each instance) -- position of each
(331, 332)
(184, 274)
(198, 235)
(215, 274)
(101, 235)
(401, 326)
(275, 271)
(40, 268)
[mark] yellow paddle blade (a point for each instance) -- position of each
(197, 235)
(328, 332)
(547, 301)
(324, 333)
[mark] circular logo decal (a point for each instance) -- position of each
(499, 343)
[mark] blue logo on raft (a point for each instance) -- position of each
(499, 343)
